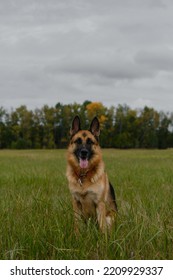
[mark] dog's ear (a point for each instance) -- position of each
(95, 127)
(75, 126)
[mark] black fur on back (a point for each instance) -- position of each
(112, 192)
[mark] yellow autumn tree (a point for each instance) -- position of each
(96, 109)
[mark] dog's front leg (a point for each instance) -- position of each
(77, 208)
(101, 216)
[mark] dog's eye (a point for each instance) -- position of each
(78, 141)
(89, 141)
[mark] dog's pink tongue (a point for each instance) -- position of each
(83, 163)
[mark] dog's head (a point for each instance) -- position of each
(84, 143)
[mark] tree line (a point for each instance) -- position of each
(121, 126)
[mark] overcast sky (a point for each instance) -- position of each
(113, 51)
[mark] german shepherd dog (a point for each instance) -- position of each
(92, 194)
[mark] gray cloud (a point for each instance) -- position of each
(112, 51)
(156, 59)
(103, 66)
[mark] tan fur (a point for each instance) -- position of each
(90, 188)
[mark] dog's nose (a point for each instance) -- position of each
(84, 153)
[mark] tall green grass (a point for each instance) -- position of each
(36, 217)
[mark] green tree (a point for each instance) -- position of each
(125, 128)
(48, 117)
(163, 130)
(21, 124)
(121, 127)
(2, 128)
(148, 124)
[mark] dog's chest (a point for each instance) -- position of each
(88, 195)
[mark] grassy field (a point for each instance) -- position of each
(36, 220)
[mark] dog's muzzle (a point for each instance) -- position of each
(83, 158)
